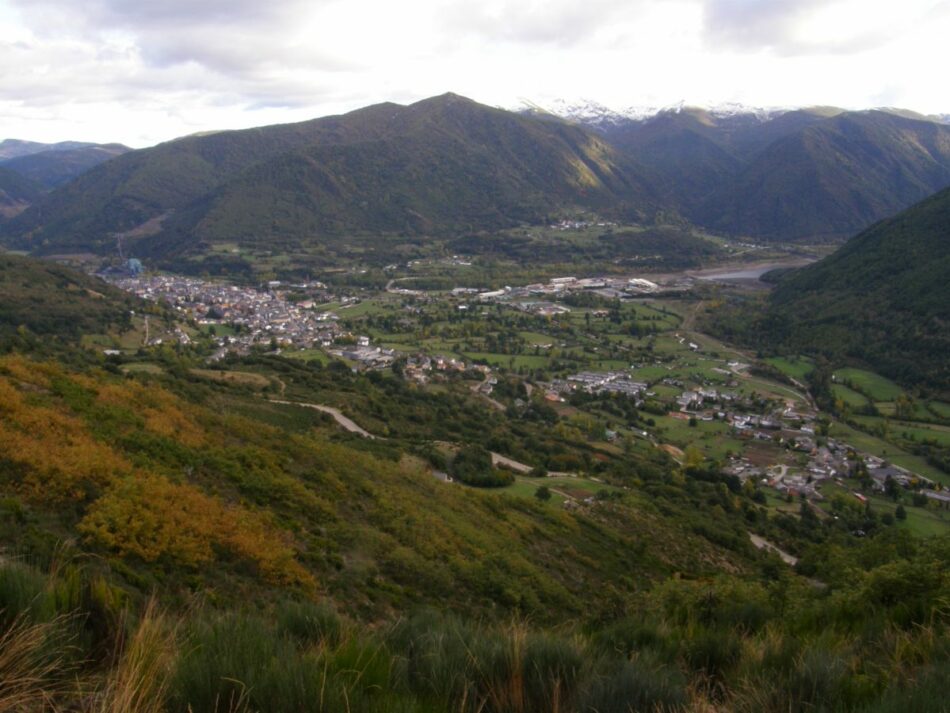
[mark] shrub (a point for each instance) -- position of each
(309, 623)
(634, 687)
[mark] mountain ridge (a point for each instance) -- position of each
(447, 164)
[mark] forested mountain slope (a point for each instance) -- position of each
(53, 168)
(442, 164)
(880, 300)
(805, 174)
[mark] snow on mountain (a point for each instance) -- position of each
(595, 114)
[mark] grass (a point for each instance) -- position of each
(906, 429)
(140, 680)
(770, 389)
(142, 367)
(874, 385)
(797, 367)
(940, 408)
(534, 338)
(848, 396)
(29, 674)
(574, 487)
(921, 521)
(506, 360)
(240, 378)
(309, 355)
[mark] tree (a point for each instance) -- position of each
(543, 493)
(900, 513)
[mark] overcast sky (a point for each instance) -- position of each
(144, 71)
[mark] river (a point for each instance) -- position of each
(752, 271)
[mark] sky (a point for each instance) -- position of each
(145, 71)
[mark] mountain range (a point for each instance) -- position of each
(448, 165)
(820, 172)
(28, 169)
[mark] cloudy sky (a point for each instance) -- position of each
(144, 71)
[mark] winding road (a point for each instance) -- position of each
(347, 423)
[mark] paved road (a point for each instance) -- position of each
(338, 416)
(497, 459)
(763, 544)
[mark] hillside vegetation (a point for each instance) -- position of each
(52, 168)
(880, 300)
(811, 173)
(16, 193)
(172, 539)
(56, 303)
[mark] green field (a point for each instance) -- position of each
(909, 430)
(940, 409)
(921, 521)
(309, 355)
(849, 397)
(798, 367)
(142, 367)
(510, 360)
(875, 386)
(577, 488)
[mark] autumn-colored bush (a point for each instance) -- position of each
(152, 518)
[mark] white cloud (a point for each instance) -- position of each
(141, 71)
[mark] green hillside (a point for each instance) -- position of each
(834, 177)
(804, 174)
(57, 303)
(448, 165)
(881, 301)
(441, 164)
(55, 167)
(176, 537)
(16, 193)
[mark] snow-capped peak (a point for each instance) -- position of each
(594, 114)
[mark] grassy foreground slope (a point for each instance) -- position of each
(178, 494)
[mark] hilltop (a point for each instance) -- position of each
(800, 174)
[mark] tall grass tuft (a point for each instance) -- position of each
(33, 673)
(23, 593)
(637, 686)
(309, 623)
(139, 681)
